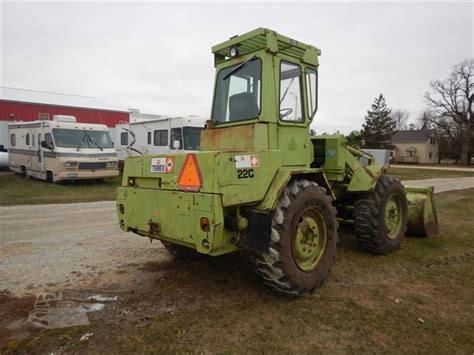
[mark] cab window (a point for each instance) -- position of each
(49, 139)
(238, 89)
(312, 91)
(176, 136)
(290, 93)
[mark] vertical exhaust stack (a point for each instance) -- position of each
(422, 218)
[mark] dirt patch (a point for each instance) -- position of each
(370, 303)
(13, 317)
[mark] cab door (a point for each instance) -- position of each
(38, 158)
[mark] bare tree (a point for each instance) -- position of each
(450, 101)
(425, 120)
(400, 117)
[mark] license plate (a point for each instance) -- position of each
(71, 175)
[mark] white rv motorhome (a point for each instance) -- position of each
(4, 144)
(158, 136)
(62, 150)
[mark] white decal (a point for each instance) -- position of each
(162, 165)
(158, 165)
(246, 161)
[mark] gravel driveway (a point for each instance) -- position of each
(46, 245)
(442, 185)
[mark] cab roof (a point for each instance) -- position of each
(264, 38)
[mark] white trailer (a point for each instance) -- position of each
(4, 144)
(158, 136)
(381, 156)
(61, 149)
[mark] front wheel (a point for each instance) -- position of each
(303, 240)
(380, 217)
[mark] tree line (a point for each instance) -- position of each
(448, 111)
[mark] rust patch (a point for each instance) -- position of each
(238, 138)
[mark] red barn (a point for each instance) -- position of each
(30, 105)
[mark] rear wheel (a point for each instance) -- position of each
(380, 217)
(303, 240)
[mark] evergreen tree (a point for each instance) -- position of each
(379, 127)
(354, 139)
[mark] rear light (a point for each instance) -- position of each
(205, 226)
(190, 175)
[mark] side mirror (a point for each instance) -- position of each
(44, 144)
(176, 144)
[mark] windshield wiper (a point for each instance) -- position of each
(80, 144)
(239, 67)
(91, 140)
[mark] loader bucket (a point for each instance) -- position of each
(422, 218)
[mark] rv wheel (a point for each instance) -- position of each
(49, 176)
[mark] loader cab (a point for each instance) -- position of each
(265, 94)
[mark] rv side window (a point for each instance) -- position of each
(39, 140)
(13, 139)
(49, 140)
(124, 138)
(160, 137)
(176, 135)
(32, 140)
(27, 139)
(149, 137)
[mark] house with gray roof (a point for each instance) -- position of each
(415, 146)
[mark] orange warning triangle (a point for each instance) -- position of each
(190, 175)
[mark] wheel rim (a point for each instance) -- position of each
(393, 216)
(310, 238)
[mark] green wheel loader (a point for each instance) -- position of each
(261, 182)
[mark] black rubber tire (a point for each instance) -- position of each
(369, 217)
(180, 252)
(277, 267)
(49, 176)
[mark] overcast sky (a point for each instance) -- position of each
(157, 56)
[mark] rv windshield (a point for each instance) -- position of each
(73, 138)
(192, 138)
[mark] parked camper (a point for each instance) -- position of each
(62, 150)
(159, 136)
(4, 144)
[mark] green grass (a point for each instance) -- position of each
(219, 306)
(16, 190)
(422, 174)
